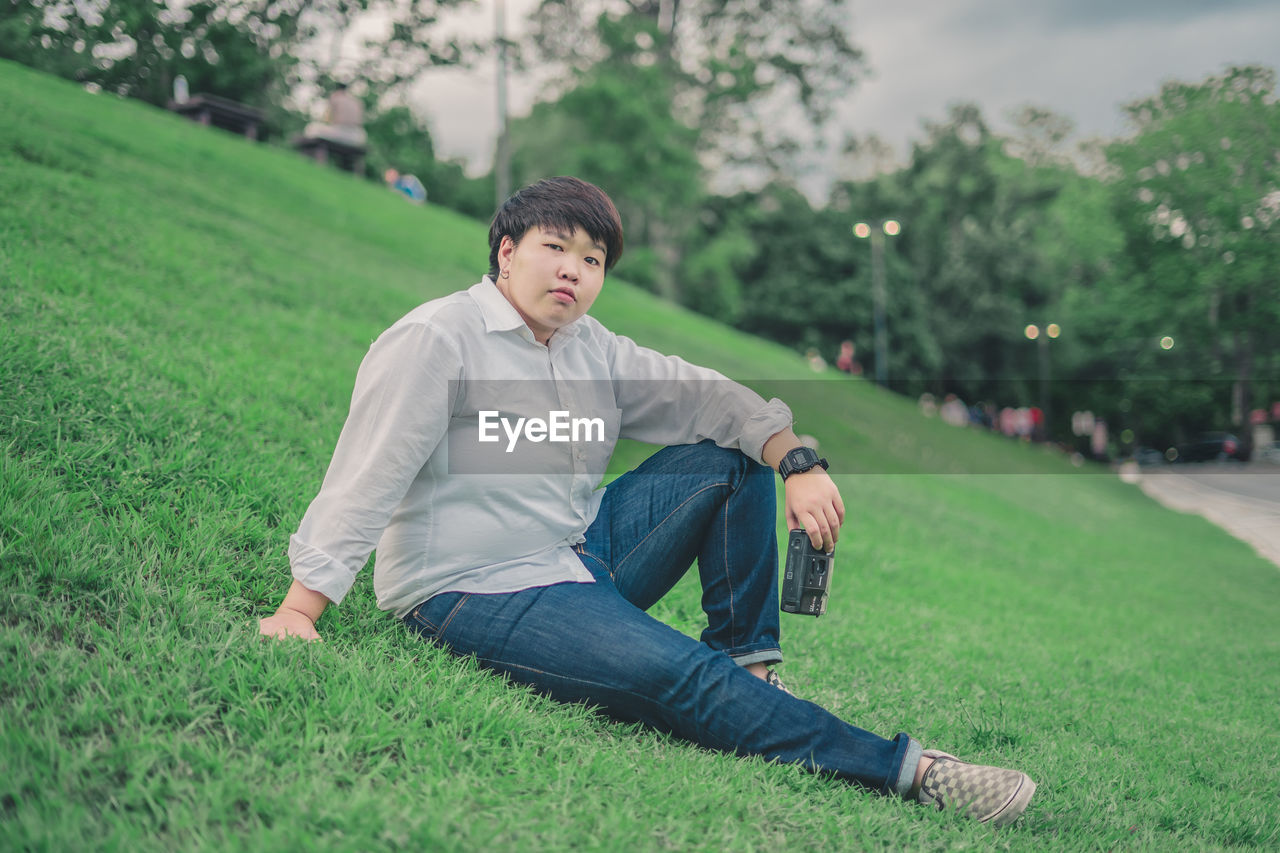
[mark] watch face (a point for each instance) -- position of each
(798, 457)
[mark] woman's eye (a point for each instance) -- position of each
(554, 247)
(594, 261)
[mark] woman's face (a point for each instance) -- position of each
(554, 277)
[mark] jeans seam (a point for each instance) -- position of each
(723, 745)
(582, 552)
(422, 620)
(668, 518)
(449, 619)
(728, 579)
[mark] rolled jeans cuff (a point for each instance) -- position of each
(910, 762)
(762, 656)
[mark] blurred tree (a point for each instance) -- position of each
(398, 41)
(1040, 136)
(863, 158)
(615, 126)
(970, 215)
(915, 353)
(988, 244)
(399, 140)
(770, 263)
(257, 52)
(1198, 198)
(451, 187)
(754, 78)
(710, 273)
(238, 49)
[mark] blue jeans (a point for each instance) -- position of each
(593, 643)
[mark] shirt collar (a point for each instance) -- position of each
(501, 316)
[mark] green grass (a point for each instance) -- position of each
(181, 317)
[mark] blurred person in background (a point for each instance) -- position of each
(343, 119)
(407, 185)
(845, 360)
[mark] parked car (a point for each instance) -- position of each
(1146, 456)
(1212, 446)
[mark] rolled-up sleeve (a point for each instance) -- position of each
(400, 411)
(666, 400)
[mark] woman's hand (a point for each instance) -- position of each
(296, 616)
(812, 499)
(286, 622)
(813, 502)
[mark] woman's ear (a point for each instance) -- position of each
(505, 248)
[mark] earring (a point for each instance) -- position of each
(505, 273)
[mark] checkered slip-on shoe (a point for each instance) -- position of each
(990, 794)
(772, 678)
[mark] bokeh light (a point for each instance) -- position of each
(1032, 331)
(1166, 342)
(892, 227)
(862, 230)
(1053, 330)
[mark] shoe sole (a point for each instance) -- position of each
(1017, 804)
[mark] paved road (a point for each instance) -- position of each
(1255, 481)
(1244, 500)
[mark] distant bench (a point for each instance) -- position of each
(341, 154)
(211, 110)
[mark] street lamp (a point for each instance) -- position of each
(1033, 333)
(877, 232)
(502, 157)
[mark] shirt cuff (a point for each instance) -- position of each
(318, 571)
(772, 418)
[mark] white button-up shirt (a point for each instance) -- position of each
(434, 470)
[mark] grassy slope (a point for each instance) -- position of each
(181, 315)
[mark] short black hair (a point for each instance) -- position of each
(562, 203)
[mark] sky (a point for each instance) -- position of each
(1081, 58)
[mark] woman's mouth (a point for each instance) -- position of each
(564, 295)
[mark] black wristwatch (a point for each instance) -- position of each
(799, 460)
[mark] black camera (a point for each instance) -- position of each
(807, 577)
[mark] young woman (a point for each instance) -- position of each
(480, 427)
